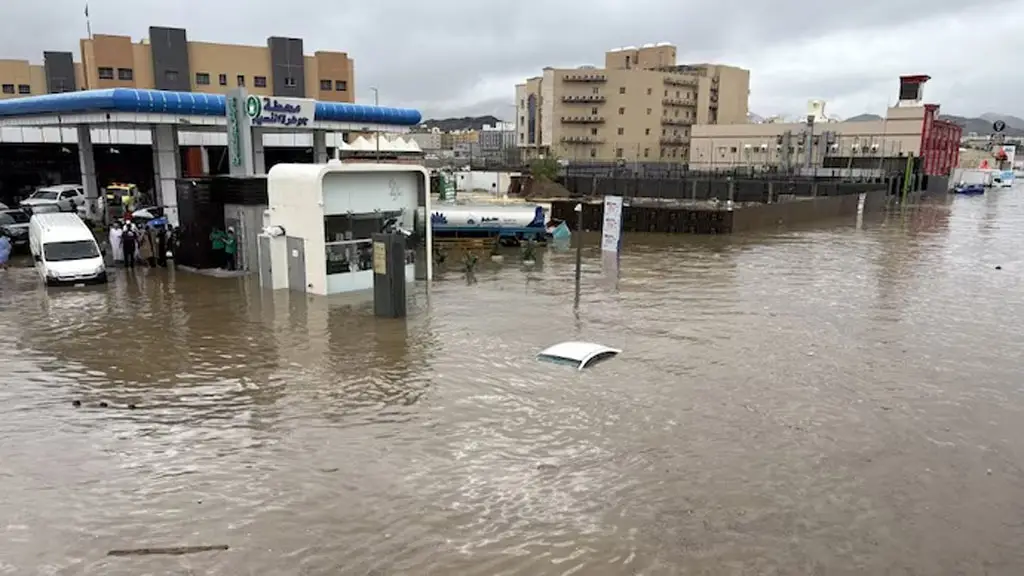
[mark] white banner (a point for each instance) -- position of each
(611, 230)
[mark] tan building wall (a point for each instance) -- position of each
(18, 78)
(734, 145)
(639, 107)
(111, 61)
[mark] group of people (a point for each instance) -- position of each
(225, 248)
(147, 245)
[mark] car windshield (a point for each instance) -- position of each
(45, 195)
(13, 217)
(77, 250)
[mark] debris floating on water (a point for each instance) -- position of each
(172, 551)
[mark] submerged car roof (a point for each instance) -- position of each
(579, 353)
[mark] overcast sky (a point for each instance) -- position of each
(457, 57)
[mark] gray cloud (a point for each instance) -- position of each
(455, 57)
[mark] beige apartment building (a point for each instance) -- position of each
(167, 60)
(640, 107)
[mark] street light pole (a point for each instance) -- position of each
(579, 253)
(376, 102)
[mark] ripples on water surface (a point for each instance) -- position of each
(831, 400)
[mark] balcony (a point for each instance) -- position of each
(681, 81)
(673, 140)
(583, 119)
(583, 99)
(582, 140)
(676, 121)
(678, 102)
(581, 77)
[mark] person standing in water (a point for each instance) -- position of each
(230, 248)
(217, 243)
(5, 250)
(114, 239)
(128, 239)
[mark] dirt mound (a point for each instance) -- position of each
(543, 188)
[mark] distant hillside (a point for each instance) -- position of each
(981, 126)
(1011, 121)
(864, 118)
(465, 123)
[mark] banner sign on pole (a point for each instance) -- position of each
(611, 230)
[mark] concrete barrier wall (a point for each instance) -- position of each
(750, 218)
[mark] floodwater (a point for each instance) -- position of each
(838, 399)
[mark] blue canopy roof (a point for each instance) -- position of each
(187, 103)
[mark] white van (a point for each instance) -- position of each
(65, 250)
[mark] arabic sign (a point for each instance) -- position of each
(380, 258)
(239, 134)
(280, 112)
(611, 230)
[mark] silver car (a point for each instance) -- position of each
(69, 197)
(15, 224)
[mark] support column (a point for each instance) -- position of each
(87, 164)
(204, 156)
(319, 146)
(259, 161)
(167, 169)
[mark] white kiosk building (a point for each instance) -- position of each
(318, 228)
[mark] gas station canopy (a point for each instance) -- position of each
(189, 110)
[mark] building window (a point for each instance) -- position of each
(648, 91)
(522, 103)
(622, 89)
(647, 131)
(106, 73)
(521, 138)
(618, 152)
(340, 86)
(732, 149)
(647, 152)
(593, 152)
(622, 131)
(593, 131)
(326, 84)
(24, 89)
(648, 111)
(259, 81)
(125, 74)
(522, 120)
(595, 90)
(666, 93)
(171, 75)
(289, 81)
(593, 111)
(8, 88)
(202, 79)
(240, 80)
(222, 79)
(622, 111)
(677, 93)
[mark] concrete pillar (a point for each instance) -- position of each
(87, 164)
(204, 156)
(771, 191)
(166, 166)
(693, 190)
(319, 146)
(259, 160)
(732, 190)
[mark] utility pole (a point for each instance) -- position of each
(376, 102)
(579, 253)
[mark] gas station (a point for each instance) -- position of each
(245, 117)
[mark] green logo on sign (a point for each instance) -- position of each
(253, 106)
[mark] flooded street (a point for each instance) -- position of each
(830, 400)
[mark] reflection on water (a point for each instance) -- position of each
(829, 400)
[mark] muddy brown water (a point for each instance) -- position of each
(829, 400)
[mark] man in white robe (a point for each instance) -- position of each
(115, 243)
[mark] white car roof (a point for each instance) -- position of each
(580, 353)
(59, 188)
(62, 227)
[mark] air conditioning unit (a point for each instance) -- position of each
(764, 147)
(746, 146)
(834, 147)
(874, 147)
(854, 147)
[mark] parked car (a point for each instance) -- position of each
(15, 224)
(69, 197)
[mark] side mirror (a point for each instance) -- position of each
(37, 258)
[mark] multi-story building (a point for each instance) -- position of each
(909, 128)
(167, 60)
(639, 107)
(427, 141)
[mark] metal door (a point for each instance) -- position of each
(266, 272)
(296, 264)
